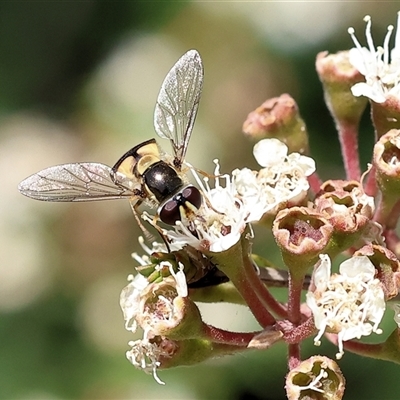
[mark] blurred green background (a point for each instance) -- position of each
(78, 82)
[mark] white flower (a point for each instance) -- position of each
(350, 303)
(145, 355)
(283, 179)
(130, 300)
(382, 77)
(132, 295)
(151, 304)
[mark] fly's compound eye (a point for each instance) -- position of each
(169, 212)
(188, 198)
(192, 195)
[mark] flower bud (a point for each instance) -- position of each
(278, 118)
(316, 378)
(386, 159)
(338, 76)
(302, 236)
(150, 355)
(347, 208)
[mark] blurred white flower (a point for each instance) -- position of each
(382, 77)
(130, 300)
(350, 303)
(144, 259)
(144, 355)
(149, 304)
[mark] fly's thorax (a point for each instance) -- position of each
(145, 164)
(161, 180)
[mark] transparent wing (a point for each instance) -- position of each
(73, 182)
(177, 103)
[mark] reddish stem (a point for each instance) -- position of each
(293, 356)
(296, 334)
(363, 349)
(262, 291)
(348, 137)
(392, 240)
(256, 306)
(233, 338)
(315, 182)
(294, 315)
(295, 288)
(356, 347)
(370, 187)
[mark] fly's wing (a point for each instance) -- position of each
(74, 182)
(177, 103)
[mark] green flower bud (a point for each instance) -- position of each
(338, 76)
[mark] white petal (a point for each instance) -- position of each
(180, 278)
(357, 59)
(307, 164)
(363, 89)
(356, 266)
(269, 152)
(322, 273)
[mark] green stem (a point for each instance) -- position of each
(230, 262)
(231, 338)
(222, 293)
(388, 211)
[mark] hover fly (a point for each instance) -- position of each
(143, 173)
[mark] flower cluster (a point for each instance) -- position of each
(243, 197)
(207, 254)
